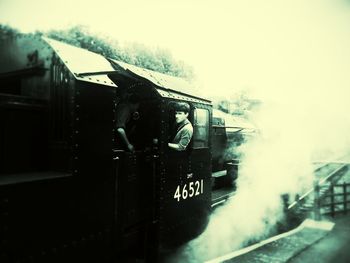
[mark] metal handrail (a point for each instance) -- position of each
(321, 182)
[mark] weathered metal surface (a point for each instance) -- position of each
(79, 60)
(169, 86)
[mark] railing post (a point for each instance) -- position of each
(317, 202)
(332, 200)
(345, 199)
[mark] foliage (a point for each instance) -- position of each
(159, 60)
(7, 31)
(136, 54)
(239, 104)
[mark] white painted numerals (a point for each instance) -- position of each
(188, 190)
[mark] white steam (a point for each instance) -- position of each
(294, 132)
(304, 117)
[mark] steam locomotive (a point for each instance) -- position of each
(67, 192)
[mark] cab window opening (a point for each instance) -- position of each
(200, 128)
(137, 121)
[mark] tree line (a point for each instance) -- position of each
(160, 60)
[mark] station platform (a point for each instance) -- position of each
(312, 241)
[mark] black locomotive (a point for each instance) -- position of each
(68, 193)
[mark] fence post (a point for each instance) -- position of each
(317, 201)
(345, 199)
(332, 200)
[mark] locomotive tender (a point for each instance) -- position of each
(67, 192)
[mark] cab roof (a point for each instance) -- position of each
(92, 67)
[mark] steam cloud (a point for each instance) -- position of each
(295, 130)
(304, 117)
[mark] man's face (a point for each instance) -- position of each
(180, 116)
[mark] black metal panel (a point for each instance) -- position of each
(69, 219)
(66, 219)
(62, 110)
(92, 141)
(92, 160)
(23, 134)
(185, 189)
(47, 221)
(135, 203)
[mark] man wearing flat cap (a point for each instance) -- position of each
(184, 129)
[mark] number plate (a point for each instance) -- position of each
(188, 190)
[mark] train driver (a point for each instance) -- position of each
(184, 129)
(126, 118)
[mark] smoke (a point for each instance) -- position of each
(302, 125)
(294, 130)
(304, 117)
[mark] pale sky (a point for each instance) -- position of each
(271, 47)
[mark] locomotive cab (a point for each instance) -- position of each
(68, 191)
(179, 182)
